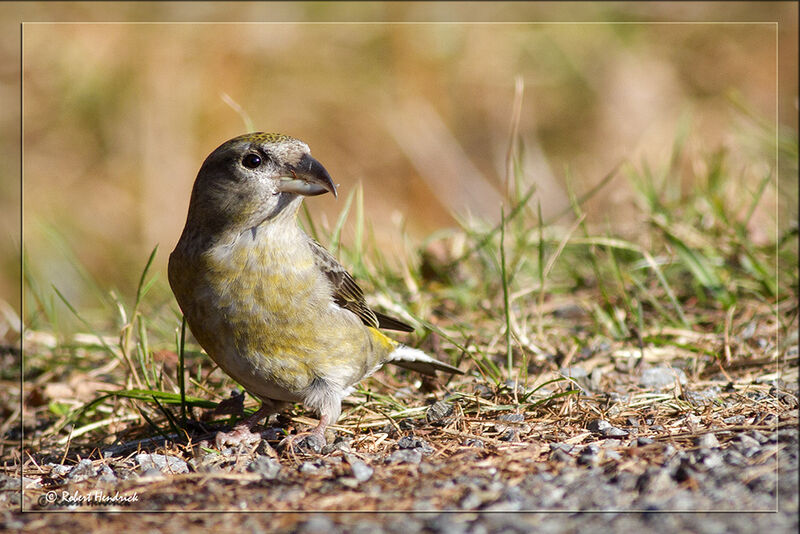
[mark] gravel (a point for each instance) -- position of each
(619, 477)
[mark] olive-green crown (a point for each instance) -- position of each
(262, 137)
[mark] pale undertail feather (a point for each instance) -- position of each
(418, 361)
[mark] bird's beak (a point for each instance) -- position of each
(308, 178)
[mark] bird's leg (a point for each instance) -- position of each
(318, 434)
(242, 433)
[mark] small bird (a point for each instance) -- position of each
(268, 303)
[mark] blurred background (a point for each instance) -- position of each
(118, 117)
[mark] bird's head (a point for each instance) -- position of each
(254, 178)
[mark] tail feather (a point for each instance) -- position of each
(390, 323)
(418, 361)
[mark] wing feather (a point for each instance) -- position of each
(348, 295)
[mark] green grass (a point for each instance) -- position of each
(685, 263)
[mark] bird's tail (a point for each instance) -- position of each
(418, 361)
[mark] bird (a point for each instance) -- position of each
(269, 304)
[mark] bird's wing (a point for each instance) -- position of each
(348, 295)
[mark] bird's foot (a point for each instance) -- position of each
(312, 441)
(304, 441)
(240, 435)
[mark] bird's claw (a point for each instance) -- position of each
(240, 435)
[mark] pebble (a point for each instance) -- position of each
(598, 425)
(439, 411)
(574, 372)
(339, 444)
(405, 456)
(558, 455)
(361, 471)
(510, 435)
(511, 418)
(483, 391)
(588, 455)
(734, 420)
(83, 470)
(566, 447)
(266, 467)
(59, 470)
(161, 463)
(106, 475)
(661, 377)
(743, 441)
(410, 442)
(309, 468)
(708, 441)
(614, 432)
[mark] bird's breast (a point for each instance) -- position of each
(264, 312)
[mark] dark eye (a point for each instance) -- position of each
(251, 161)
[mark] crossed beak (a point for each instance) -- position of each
(308, 178)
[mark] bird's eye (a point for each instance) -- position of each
(251, 161)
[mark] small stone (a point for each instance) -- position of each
(106, 475)
(266, 467)
(473, 442)
(361, 471)
(614, 432)
(598, 425)
(655, 481)
(308, 468)
(310, 443)
(513, 385)
(588, 455)
(59, 470)
(707, 441)
(339, 444)
(482, 390)
(410, 442)
(661, 377)
(405, 456)
(734, 420)
(710, 458)
(641, 442)
(558, 455)
(746, 441)
(594, 379)
(81, 471)
(439, 411)
(566, 447)
(702, 398)
(734, 458)
(574, 372)
(511, 418)
(510, 435)
(758, 436)
(162, 463)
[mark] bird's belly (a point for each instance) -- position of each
(274, 328)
